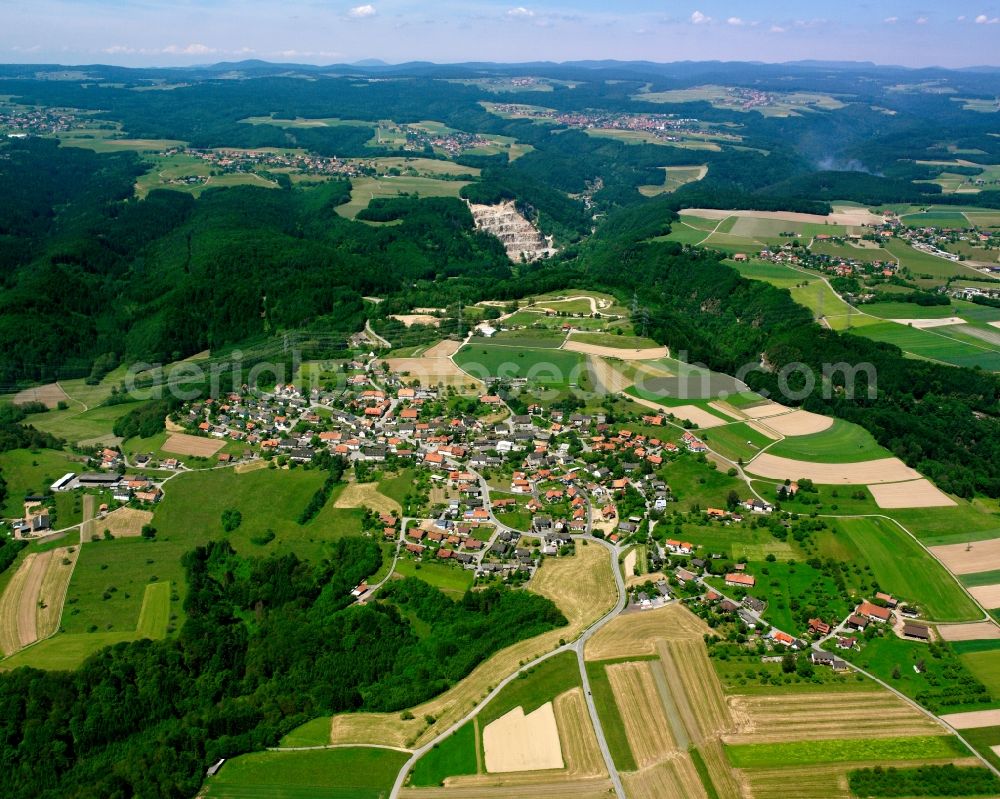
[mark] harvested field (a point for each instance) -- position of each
(184, 444)
(171, 426)
(728, 410)
(926, 323)
(125, 522)
(646, 725)
(498, 787)
(766, 409)
(50, 395)
(52, 594)
(624, 353)
(982, 630)
(357, 495)
(692, 413)
(729, 783)
(606, 377)
(850, 217)
(639, 579)
(582, 586)
(674, 779)
(687, 659)
(884, 470)
(792, 717)
(10, 605)
(987, 595)
(973, 719)
(799, 782)
(628, 564)
(635, 635)
(519, 742)
(251, 466)
(443, 349)
(980, 556)
(764, 430)
(435, 366)
(581, 753)
(798, 423)
(410, 319)
(913, 494)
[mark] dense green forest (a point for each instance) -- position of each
(268, 644)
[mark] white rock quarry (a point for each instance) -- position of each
(520, 238)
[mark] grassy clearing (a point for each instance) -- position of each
(842, 442)
(349, 773)
(985, 667)
(32, 472)
(695, 483)
(75, 425)
(611, 720)
(312, 733)
(614, 340)
(902, 567)
(848, 750)
(365, 189)
(674, 177)
(956, 525)
(454, 756)
(452, 580)
(154, 617)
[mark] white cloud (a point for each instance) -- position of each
(778, 29)
(521, 13)
(962, 18)
(735, 21)
(362, 12)
(698, 18)
(921, 20)
(891, 20)
(982, 19)
(191, 49)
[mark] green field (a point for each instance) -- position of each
(613, 340)
(956, 525)
(985, 667)
(365, 189)
(533, 688)
(908, 310)
(806, 289)
(935, 218)
(842, 442)
(901, 567)
(454, 756)
(745, 674)
(29, 472)
(922, 263)
(312, 733)
(154, 616)
(735, 441)
(348, 773)
(849, 251)
(983, 740)
(674, 177)
(530, 338)
(451, 579)
(937, 344)
(546, 367)
(980, 578)
(611, 720)
(848, 750)
(694, 483)
(75, 424)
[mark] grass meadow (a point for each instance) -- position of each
(546, 367)
(454, 756)
(611, 720)
(451, 579)
(846, 750)
(842, 442)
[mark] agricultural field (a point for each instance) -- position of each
(546, 367)
(615, 340)
(455, 755)
(864, 254)
(903, 568)
(938, 344)
(29, 472)
(845, 750)
(781, 104)
(842, 442)
(736, 441)
(529, 338)
(350, 773)
(366, 189)
(922, 263)
(675, 177)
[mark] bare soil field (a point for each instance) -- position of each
(646, 725)
(606, 376)
(635, 635)
(624, 353)
(582, 586)
(184, 444)
(764, 430)
(357, 495)
(793, 717)
(987, 595)
(675, 778)
(692, 413)
(19, 609)
(519, 742)
(798, 423)
(639, 579)
(498, 787)
(912, 494)
(410, 319)
(969, 632)
(435, 366)
(50, 394)
(251, 466)
(125, 522)
(728, 410)
(850, 218)
(973, 719)
(928, 323)
(628, 564)
(581, 753)
(979, 556)
(52, 594)
(884, 470)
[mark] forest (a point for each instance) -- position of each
(267, 644)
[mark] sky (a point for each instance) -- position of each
(185, 32)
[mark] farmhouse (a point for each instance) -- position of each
(740, 580)
(873, 612)
(920, 632)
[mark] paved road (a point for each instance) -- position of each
(576, 646)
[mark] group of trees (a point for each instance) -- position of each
(268, 644)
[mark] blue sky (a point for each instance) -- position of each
(181, 32)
